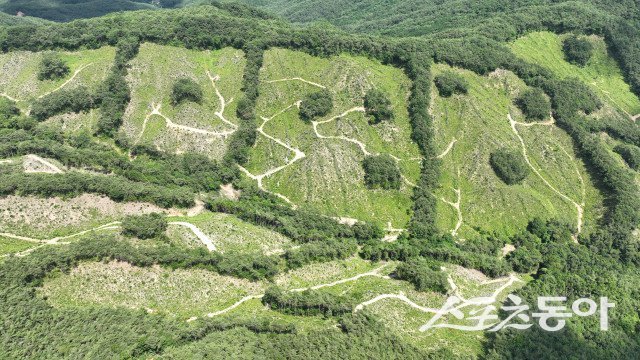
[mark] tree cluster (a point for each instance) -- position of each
(577, 50)
(52, 67)
(381, 172)
(146, 226)
(185, 89)
(509, 165)
(378, 106)
(449, 83)
(534, 104)
(316, 104)
(424, 274)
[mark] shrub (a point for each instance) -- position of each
(424, 274)
(630, 154)
(8, 109)
(66, 100)
(145, 226)
(186, 90)
(576, 50)
(525, 259)
(449, 83)
(381, 171)
(320, 252)
(378, 106)
(307, 303)
(534, 104)
(52, 67)
(316, 104)
(509, 165)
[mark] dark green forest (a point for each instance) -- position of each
(469, 35)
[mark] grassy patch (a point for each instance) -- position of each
(228, 233)
(330, 178)
(18, 75)
(601, 73)
(180, 292)
(12, 246)
(479, 124)
(151, 78)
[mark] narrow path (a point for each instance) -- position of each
(299, 155)
(445, 310)
(456, 206)
(578, 207)
(359, 143)
(374, 273)
(449, 147)
(171, 124)
(5, 95)
(297, 79)
(75, 73)
(53, 168)
(56, 240)
(219, 114)
(223, 102)
(197, 232)
(635, 117)
(8, 161)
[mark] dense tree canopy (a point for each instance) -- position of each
(509, 165)
(378, 106)
(316, 104)
(144, 226)
(449, 83)
(534, 104)
(186, 89)
(52, 67)
(381, 171)
(577, 50)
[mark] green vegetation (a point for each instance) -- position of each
(12, 246)
(306, 303)
(378, 106)
(382, 172)
(186, 89)
(630, 154)
(316, 104)
(449, 83)
(576, 50)
(534, 104)
(52, 67)
(600, 260)
(509, 165)
(75, 100)
(320, 252)
(425, 275)
(145, 226)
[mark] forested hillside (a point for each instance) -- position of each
(214, 182)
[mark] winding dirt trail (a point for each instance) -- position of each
(53, 169)
(299, 155)
(197, 232)
(57, 240)
(5, 95)
(219, 114)
(223, 102)
(297, 79)
(456, 206)
(448, 149)
(579, 207)
(372, 273)
(487, 300)
(75, 73)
